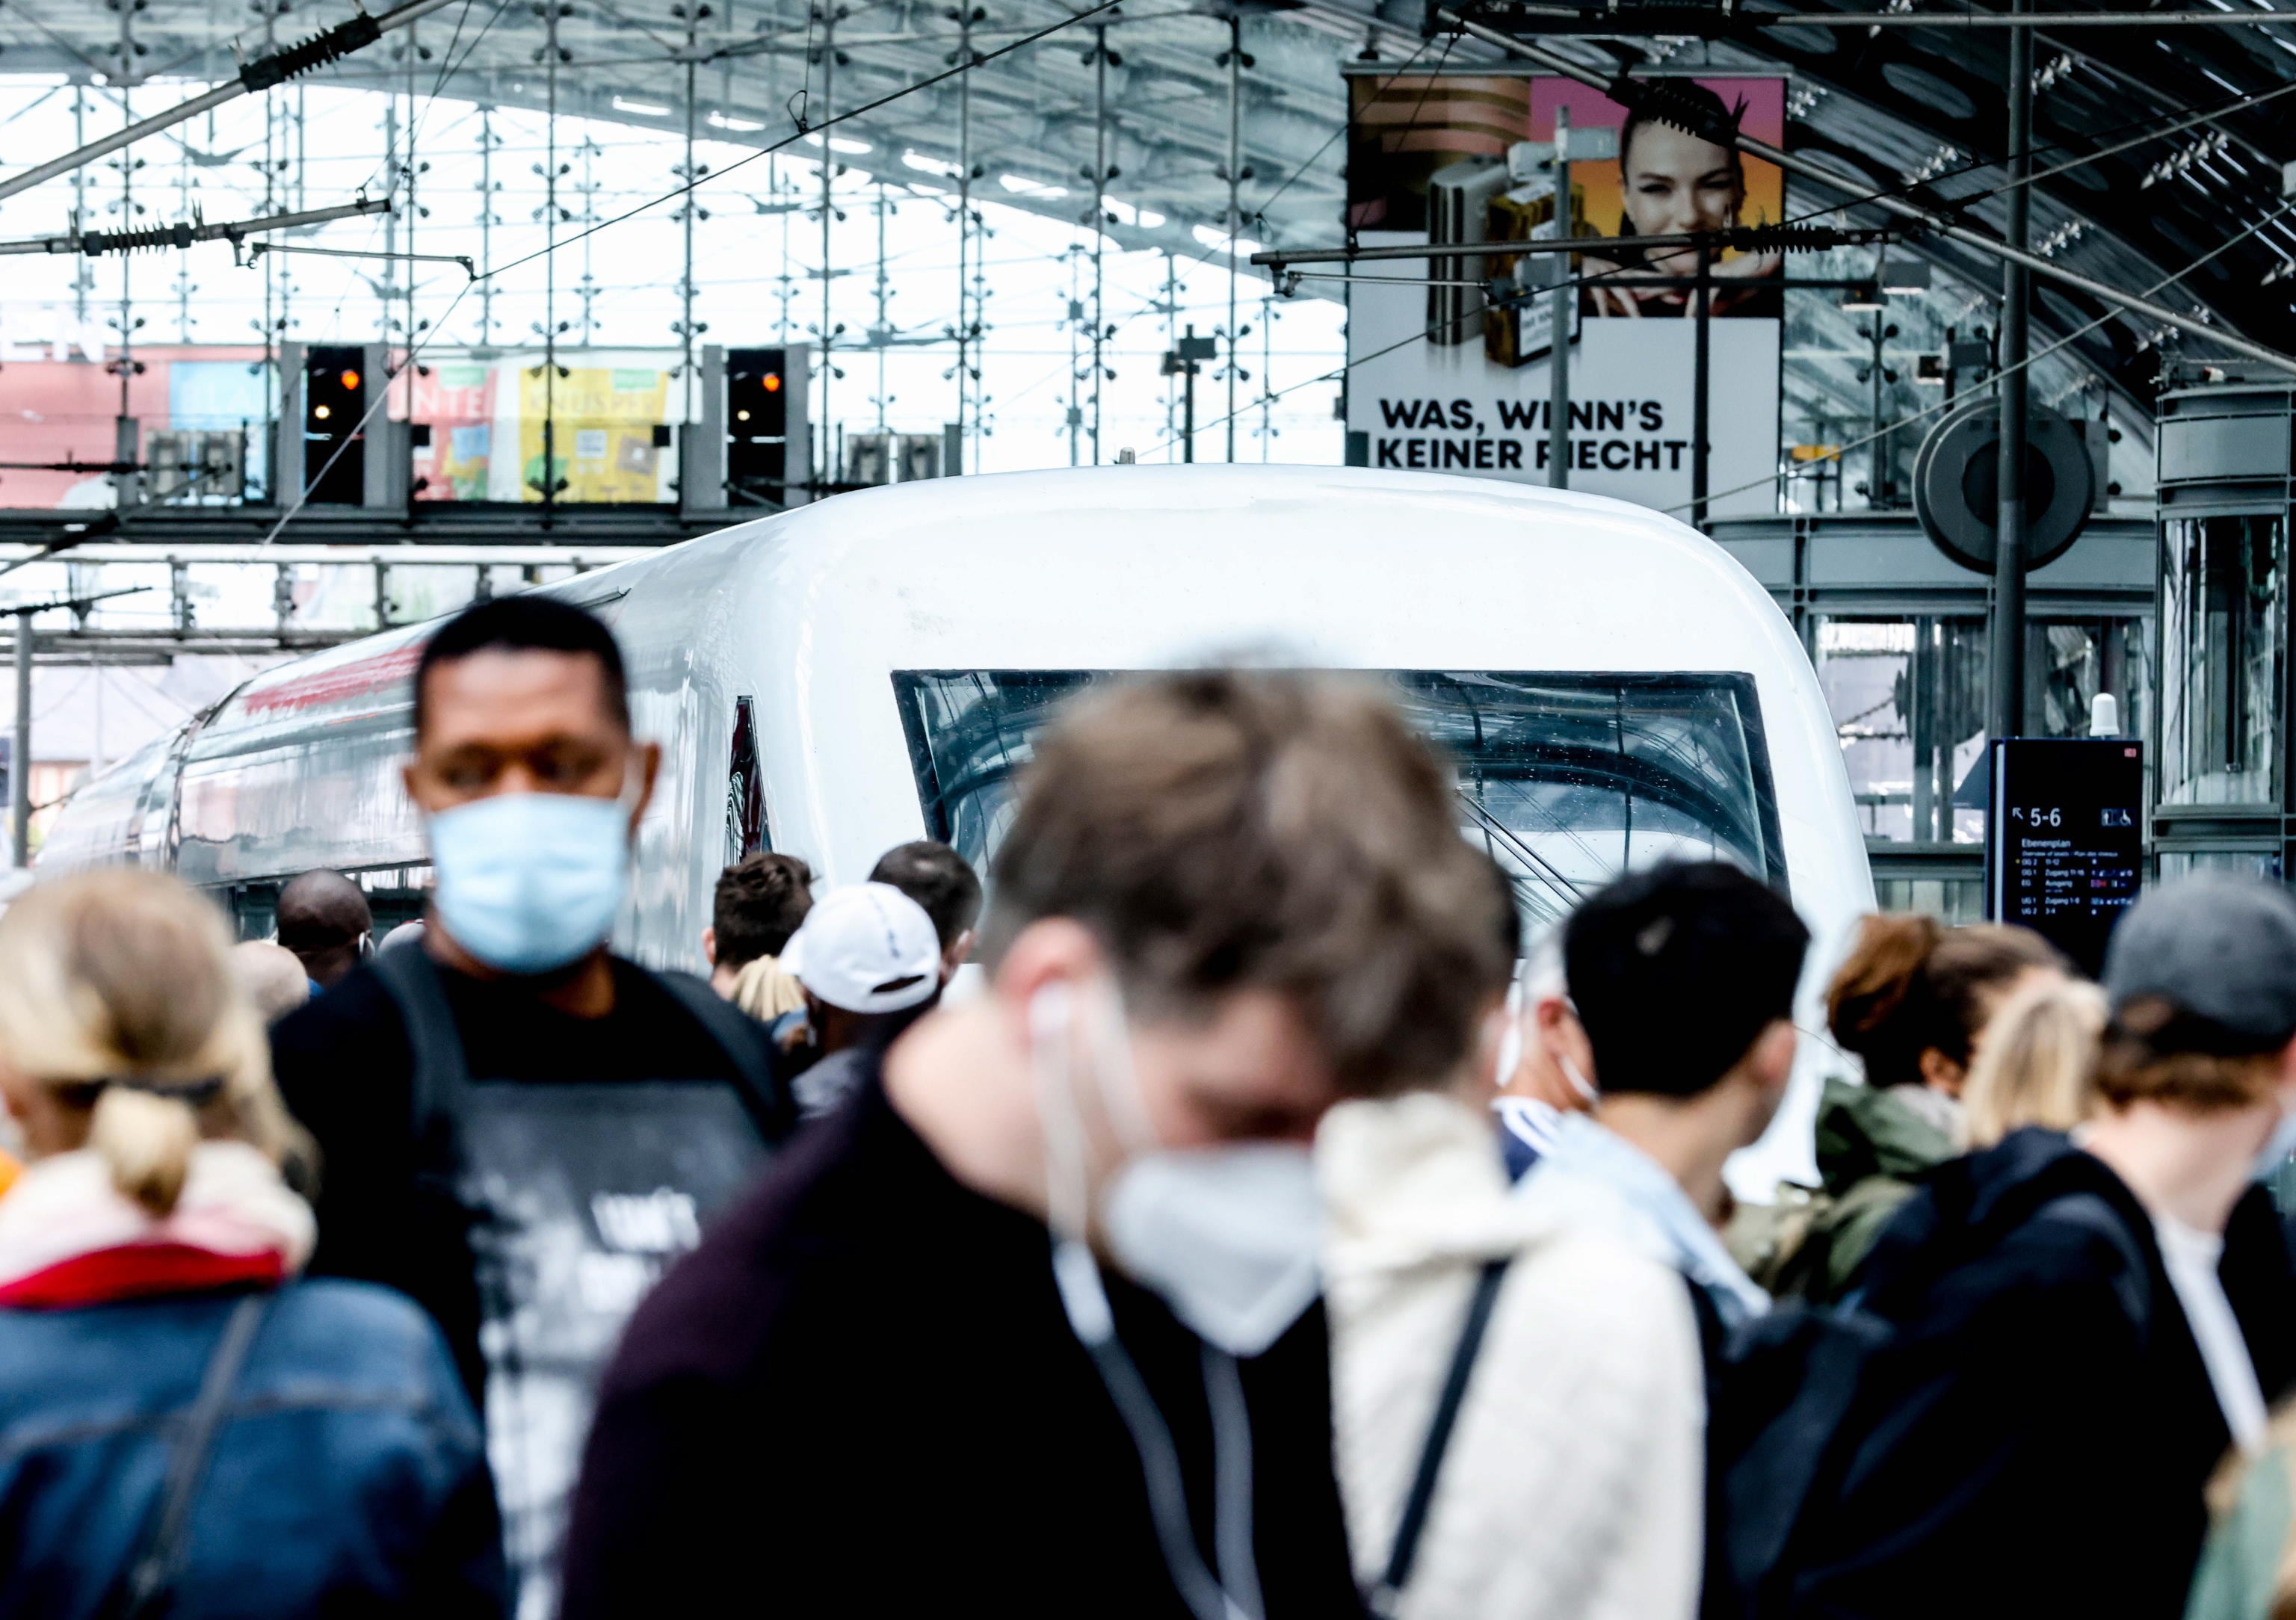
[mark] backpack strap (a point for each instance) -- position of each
(1408, 1529)
(2089, 1213)
(151, 1583)
(745, 1043)
(441, 1077)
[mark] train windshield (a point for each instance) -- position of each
(1568, 780)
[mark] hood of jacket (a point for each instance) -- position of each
(1412, 1181)
(1863, 1132)
(68, 1237)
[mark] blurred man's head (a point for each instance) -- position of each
(325, 920)
(273, 976)
(942, 881)
(2201, 974)
(1266, 868)
(1555, 1062)
(760, 901)
(529, 781)
(870, 964)
(1683, 976)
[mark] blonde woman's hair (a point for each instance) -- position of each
(117, 993)
(765, 990)
(2036, 1064)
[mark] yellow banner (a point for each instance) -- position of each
(604, 425)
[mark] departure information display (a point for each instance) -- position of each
(2064, 844)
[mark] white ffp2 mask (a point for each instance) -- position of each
(1227, 1235)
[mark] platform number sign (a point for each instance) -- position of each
(2064, 846)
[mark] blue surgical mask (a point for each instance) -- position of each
(529, 882)
(2277, 1147)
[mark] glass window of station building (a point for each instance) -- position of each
(2223, 779)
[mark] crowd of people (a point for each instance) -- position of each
(1265, 1225)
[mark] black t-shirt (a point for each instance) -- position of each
(346, 1069)
(860, 1395)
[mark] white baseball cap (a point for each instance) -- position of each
(867, 947)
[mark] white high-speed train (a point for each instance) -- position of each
(834, 680)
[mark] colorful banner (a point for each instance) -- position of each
(604, 418)
(605, 406)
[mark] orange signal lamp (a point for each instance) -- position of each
(350, 379)
(773, 382)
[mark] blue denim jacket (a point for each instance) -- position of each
(348, 1477)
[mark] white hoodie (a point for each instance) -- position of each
(1573, 1487)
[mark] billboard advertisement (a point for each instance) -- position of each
(1442, 379)
(485, 413)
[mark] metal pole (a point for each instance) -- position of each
(1100, 222)
(963, 225)
(829, 444)
(1234, 205)
(230, 90)
(550, 271)
(1558, 353)
(20, 759)
(1188, 406)
(485, 223)
(685, 221)
(1701, 375)
(2008, 642)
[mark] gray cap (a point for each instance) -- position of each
(2220, 948)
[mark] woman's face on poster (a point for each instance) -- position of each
(1675, 182)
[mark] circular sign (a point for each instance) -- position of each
(1956, 485)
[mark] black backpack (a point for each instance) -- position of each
(1793, 1393)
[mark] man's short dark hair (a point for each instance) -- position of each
(937, 879)
(1677, 970)
(321, 911)
(762, 898)
(525, 623)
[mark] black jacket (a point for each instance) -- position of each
(2038, 1440)
(859, 1397)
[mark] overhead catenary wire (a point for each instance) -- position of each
(262, 74)
(185, 235)
(691, 184)
(1938, 223)
(694, 183)
(2070, 338)
(1340, 370)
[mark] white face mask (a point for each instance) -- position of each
(1227, 1235)
(1509, 1038)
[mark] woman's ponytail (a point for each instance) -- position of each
(145, 1141)
(1913, 985)
(1876, 1006)
(116, 993)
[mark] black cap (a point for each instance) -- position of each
(2221, 950)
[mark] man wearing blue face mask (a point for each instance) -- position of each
(518, 1128)
(1028, 1324)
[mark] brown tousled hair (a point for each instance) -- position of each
(2142, 1059)
(1911, 983)
(1219, 831)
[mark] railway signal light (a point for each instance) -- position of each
(335, 404)
(757, 425)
